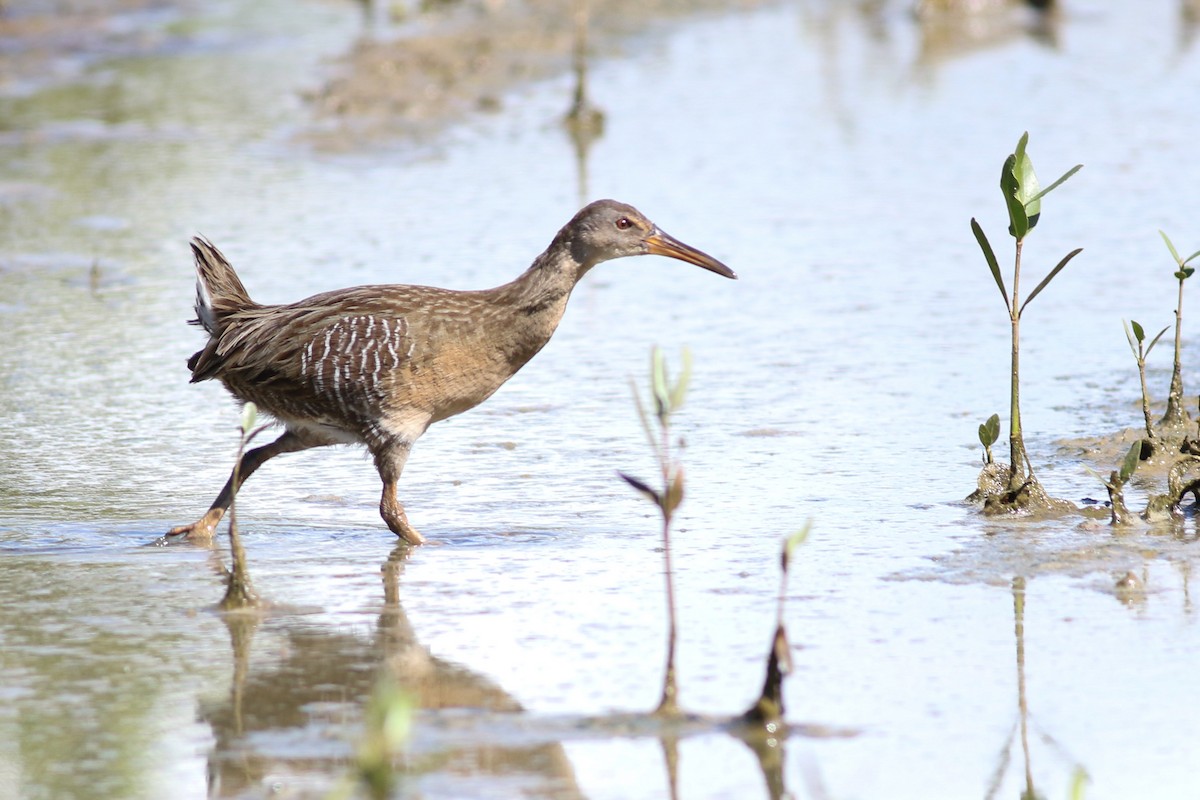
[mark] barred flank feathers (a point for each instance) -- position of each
(219, 291)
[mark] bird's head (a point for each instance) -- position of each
(607, 229)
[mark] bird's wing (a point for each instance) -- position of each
(339, 348)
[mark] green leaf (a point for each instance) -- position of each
(1027, 184)
(792, 542)
(679, 390)
(990, 255)
(1010, 186)
(1024, 140)
(658, 381)
(989, 431)
(1138, 332)
(1057, 183)
(642, 487)
(1046, 280)
(1078, 782)
(1181, 275)
(674, 491)
(993, 424)
(249, 416)
(1189, 258)
(1156, 338)
(1133, 343)
(1132, 459)
(645, 418)
(1171, 247)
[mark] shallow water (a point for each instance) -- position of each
(834, 158)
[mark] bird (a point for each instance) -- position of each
(377, 365)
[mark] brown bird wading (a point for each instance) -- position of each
(377, 365)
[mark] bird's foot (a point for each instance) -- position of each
(393, 514)
(200, 532)
(398, 522)
(407, 532)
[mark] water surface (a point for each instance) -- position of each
(833, 156)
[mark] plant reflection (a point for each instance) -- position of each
(1022, 725)
(584, 121)
(293, 713)
(274, 729)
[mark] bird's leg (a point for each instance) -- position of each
(389, 460)
(393, 514)
(203, 529)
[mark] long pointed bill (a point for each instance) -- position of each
(663, 244)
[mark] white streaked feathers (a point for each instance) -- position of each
(349, 363)
(204, 309)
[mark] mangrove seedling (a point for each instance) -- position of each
(1137, 343)
(989, 432)
(1116, 484)
(768, 710)
(1023, 200)
(238, 592)
(668, 398)
(993, 478)
(1175, 416)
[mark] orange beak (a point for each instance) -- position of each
(663, 244)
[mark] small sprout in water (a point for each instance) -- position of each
(239, 594)
(768, 709)
(668, 399)
(791, 543)
(1137, 343)
(989, 432)
(1175, 415)
(1138, 335)
(1115, 484)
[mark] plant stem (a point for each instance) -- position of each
(1174, 414)
(1141, 362)
(1116, 499)
(1016, 441)
(239, 594)
(669, 704)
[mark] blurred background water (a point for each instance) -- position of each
(833, 154)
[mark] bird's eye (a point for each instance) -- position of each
(623, 223)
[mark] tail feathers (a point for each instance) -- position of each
(219, 291)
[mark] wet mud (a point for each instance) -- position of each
(412, 78)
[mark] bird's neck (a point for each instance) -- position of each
(534, 303)
(543, 289)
